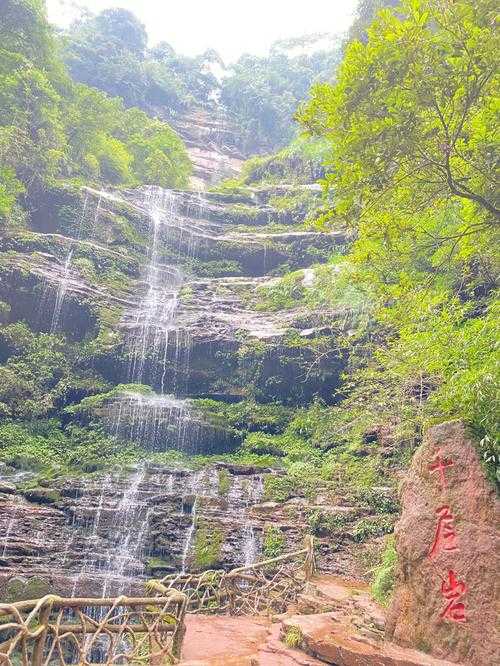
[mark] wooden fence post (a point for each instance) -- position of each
(38, 650)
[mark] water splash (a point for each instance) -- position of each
(156, 422)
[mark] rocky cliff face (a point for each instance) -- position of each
(160, 299)
(164, 289)
(212, 145)
(163, 276)
(109, 533)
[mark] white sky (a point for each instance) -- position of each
(231, 27)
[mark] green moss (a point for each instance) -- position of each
(224, 482)
(157, 564)
(207, 545)
(273, 543)
(373, 527)
(324, 523)
(42, 496)
(285, 294)
(378, 500)
(19, 589)
(383, 578)
(244, 416)
(293, 637)
(279, 488)
(91, 403)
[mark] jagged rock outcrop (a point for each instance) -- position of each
(344, 628)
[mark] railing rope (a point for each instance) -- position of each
(124, 630)
(145, 630)
(267, 586)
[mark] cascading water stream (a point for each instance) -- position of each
(65, 278)
(131, 526)
(250, 545)
(195, 487)
(8, 532)
(152, 420)
(250, 542)
(152, 325)
(61, 292)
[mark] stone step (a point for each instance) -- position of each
(333, 642)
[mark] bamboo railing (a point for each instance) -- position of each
(268, 587)
(54, 631)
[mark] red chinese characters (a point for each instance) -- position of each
(446, 537)
(439, 465)
(453, 590)
(445, 541)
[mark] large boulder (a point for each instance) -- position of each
(446, 583)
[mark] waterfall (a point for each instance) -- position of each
(155, 421)
(90, 564)
(151, 326)
(189, 536)
(251, 547)
(63, 280)
(195, 487)
(10, 528)
(61, 292)
(131, 520)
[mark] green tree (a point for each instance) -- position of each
(53, 130)
(411, 118)
(23, 29)
(262, 93)
(411, 126)
(366, 12)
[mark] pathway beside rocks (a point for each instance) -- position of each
(335, 622)
(238, 641)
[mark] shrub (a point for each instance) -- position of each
(274, 541)
(383, 580)
(373, 527)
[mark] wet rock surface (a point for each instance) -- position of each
(110, 533)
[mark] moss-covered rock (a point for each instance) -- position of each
(208, 542)
(42, 495)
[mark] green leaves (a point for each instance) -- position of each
(411, 127)
(52, 129)
(408, 107)
(10, 188)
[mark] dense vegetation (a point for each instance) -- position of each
(407, 140)
(411, 124)
(55, 132)
(260, 94)
(110, 51)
